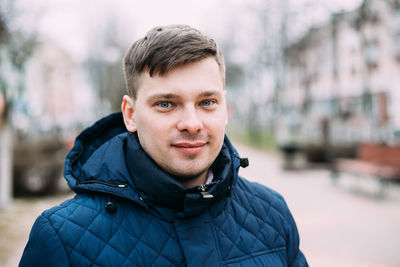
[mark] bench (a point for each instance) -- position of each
(374, 160)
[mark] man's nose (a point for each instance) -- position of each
(190, 121)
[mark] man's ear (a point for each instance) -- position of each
(128, 111)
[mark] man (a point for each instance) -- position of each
(159, 185)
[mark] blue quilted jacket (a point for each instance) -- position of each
(128, 212)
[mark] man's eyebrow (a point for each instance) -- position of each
(164, 96)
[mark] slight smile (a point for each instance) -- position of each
(189, 147)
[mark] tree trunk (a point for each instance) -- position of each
(6, 148)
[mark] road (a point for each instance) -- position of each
(339, 225)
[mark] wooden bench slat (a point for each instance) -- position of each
(376, 160)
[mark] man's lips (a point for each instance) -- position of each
(189, 147)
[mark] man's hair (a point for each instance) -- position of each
(164, 48)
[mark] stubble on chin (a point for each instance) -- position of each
(185, 178)
(187, 175)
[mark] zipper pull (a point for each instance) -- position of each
(203, 191)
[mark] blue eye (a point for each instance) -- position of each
(207, 103)
(164, 104)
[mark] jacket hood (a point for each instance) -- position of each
(106, 158)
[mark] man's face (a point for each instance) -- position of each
(180, 117)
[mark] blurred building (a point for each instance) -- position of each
(56, 95)
(342, 80)
(10, 77)
(55, 104)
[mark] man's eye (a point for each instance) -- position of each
(164, 104)
(207, 103)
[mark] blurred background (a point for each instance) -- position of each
(313, 97)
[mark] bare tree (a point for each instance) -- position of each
(15, 49)
(105, 68)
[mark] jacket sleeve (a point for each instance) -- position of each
(294, 255)
(300, 260)
(44, 247)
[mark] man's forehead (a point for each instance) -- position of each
(195, 79)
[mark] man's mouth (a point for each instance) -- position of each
(189, 147)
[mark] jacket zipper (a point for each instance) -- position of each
(203, 192)
(103, 183)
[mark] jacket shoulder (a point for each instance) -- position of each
(253, 191)
(64, 228)
(87, 205)
(252, 201)
(75, 218)
(258, 201)
(44, 247)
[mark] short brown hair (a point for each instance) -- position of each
(166, 47)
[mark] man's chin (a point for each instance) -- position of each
(186, 177)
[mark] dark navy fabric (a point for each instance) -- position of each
(129, 212)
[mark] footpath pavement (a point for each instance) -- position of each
(340, 225)
(16, 221)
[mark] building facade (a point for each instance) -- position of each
(342, 79)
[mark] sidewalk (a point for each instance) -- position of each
(16, 221)
(339, 225)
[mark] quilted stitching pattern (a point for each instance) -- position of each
(120, 240)
(247, 229)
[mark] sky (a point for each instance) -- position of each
(73, 23)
